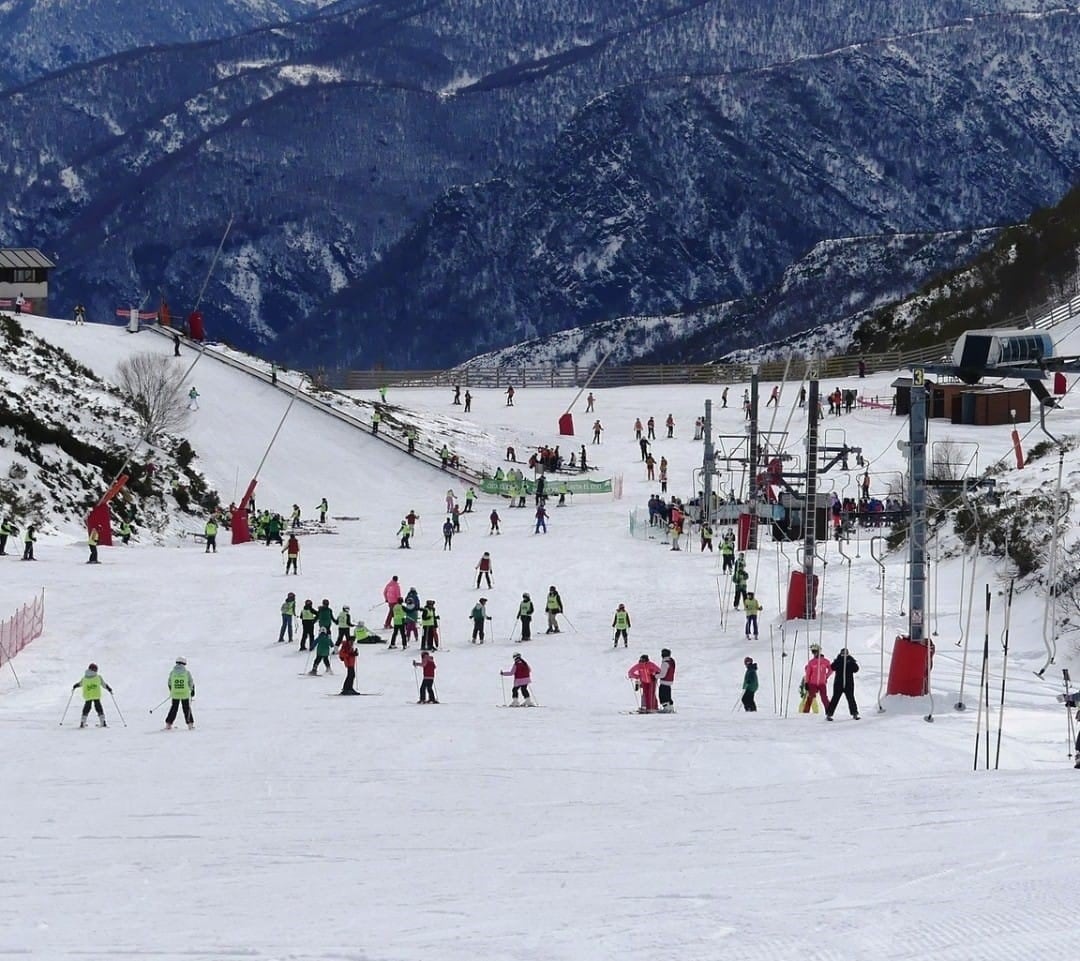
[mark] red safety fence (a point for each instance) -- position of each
(24, 626)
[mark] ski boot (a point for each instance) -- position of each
(529, 702)
(82, 723)
(168, 726)
(191, 725)
(101, 722)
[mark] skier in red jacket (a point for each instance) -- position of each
(644, 675)
(522, 678)
(347, 653)
(427, 687)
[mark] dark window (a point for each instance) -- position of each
(24, 275)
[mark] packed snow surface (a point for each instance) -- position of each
(291, 824)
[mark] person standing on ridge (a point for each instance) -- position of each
(621, 623)
(288, 613)
(182, 690)
(292, 559)
(553, 606)
(749, 684)
(322, 509)
(479, 614)
(427, 686)
(91, 684)
(519, 671)
(524, 615)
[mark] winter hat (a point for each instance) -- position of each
(291, 595)
(182, 660)
(483, 600)
(815, 649)
(92, 667)
(552, 589)
(622, 607)
(486, 554)
(665, 652)
(748, 661)
(643, 658)
(525, 596)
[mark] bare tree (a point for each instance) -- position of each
(153, 388)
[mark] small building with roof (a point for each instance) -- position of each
(24, 272)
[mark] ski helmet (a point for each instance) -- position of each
(182, 660)
(292, 596)
(748, 661)
(525, 596)
(666, 652)
(92, 667)
(643, 658)
(517, 657)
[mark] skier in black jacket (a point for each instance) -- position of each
(844, 669)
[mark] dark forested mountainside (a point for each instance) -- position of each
(414, 182)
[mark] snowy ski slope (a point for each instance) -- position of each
(294, 825)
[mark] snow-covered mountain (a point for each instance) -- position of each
(414, 183)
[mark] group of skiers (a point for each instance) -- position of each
(181, 687)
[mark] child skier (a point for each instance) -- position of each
(292, 550)
(752, 606)
(519, 671)
(427, 686)
(347, 654)
(621, 623)
(182, 689)
(494, 518)
(321, 646)
(483, 570)
(666, 681)
(554, 608)
(479, 615)
(524, 614)
(288, 612)
(344, 625)
(91, 684)
(307, 626)
(749, 684)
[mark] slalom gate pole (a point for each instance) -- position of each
(66, 706)
(156, 706)
(1004, 669)
(119, 713)
(986, 684)
(416, 679)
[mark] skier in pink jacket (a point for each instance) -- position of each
(391, 594)
(644, 675)
(816, 674)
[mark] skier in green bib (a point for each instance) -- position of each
(91, 684)
(182, 690)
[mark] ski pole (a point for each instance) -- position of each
(156, 706)
(512, 632)
(416, 679)
(570, 622)
(502, 681)
(66, 706)
(735, 706)
(119, 713)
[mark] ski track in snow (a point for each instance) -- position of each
(288, 826)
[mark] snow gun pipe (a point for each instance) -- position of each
(156, 706)
(596, 370)
(66, 706)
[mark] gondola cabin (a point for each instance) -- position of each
(982, 353)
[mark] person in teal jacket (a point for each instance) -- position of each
(749, 684)
(182, 689)
(91, 684)
(322, 652)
